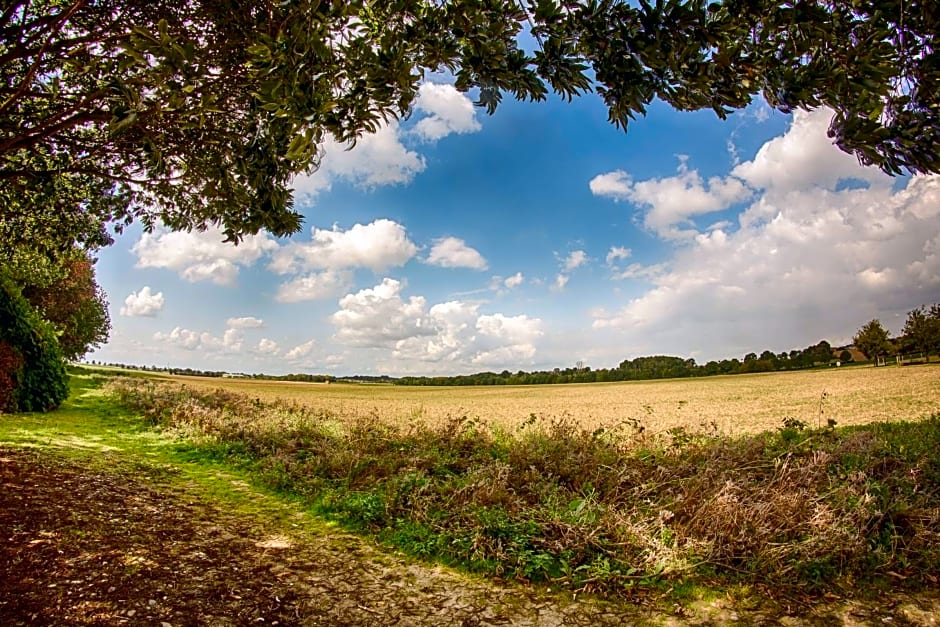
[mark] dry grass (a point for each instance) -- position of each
(810, 510)
(736, 404)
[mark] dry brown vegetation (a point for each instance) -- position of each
(622, 511)
(735, 404)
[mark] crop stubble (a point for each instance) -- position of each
(735, 404)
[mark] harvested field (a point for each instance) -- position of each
(735, 404)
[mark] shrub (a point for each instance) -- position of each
(10, 364)
(31, 364)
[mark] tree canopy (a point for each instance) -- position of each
(873, 340)
(75, 304)
(921, 330)
(200, 112)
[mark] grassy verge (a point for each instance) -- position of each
(609, 510)
(93, 428)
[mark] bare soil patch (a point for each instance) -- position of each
(80, 547)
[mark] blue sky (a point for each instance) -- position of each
(538, 237)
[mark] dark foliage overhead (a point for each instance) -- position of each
(200, 112)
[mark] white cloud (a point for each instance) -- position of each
(616, 185)
(314, 286)
(382, 158)
(335, 360)
(450, 335)
(575, 259)
(760, 111)
(452, 252)
(183, 338)
(447, 335)
(267, 347)
(506, 340)
(808, 259)
(672, 201)
(377, 316)
(200, 256)
(516, 329)
(379, 245)
(377, 159)
(247, 322)
(640, 271)
(231, 340)
(561, 280)
(804, 157)
(449, 112)
(301, 350)
(143, 304)
(617, 253)
(514, 281)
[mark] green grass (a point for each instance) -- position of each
(92, 428)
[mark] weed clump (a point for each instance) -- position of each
(614, 510)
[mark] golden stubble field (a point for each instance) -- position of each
(736, 404)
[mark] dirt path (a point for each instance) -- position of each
(79, 547)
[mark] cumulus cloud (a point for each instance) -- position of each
(377, 159)
(379, 245)
(382, 158)
(377, 316)
(200, 256)
(449, 111)
(452, 252)
(809, 258)
(616, 185)
(314, 286)
(300, 351)
(247, 322)
(506, 338)
(452, 333)
(671, 202)
(231, 340)
(267, 347)
(143, 304)
(804, 157)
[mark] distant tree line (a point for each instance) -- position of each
(646, 368)
(194, 372)
(921, 335)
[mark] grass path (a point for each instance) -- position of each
(105, 521)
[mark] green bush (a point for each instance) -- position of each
(32, 369)
(11, 362)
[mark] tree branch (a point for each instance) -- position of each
(31, 73)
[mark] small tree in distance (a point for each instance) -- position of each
(922, 329)
(872, 339)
